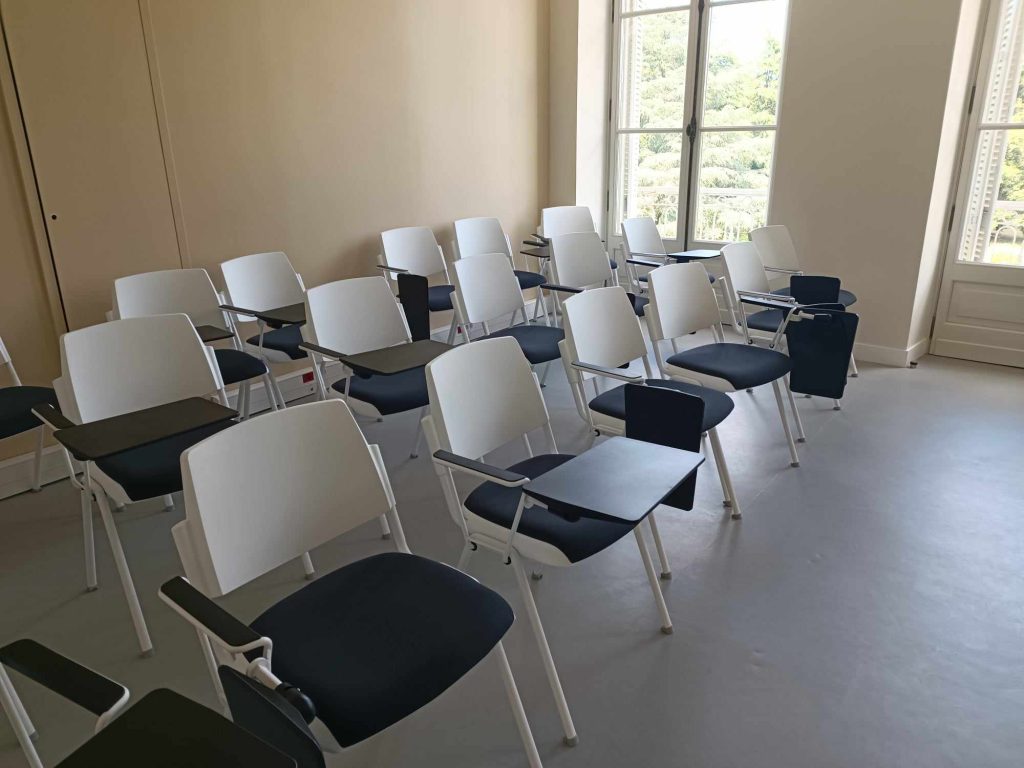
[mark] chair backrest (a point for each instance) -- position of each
(140, 362)
(262, 281)
(601, 327)
(743, 268)
(579, 260)
(483, 395)
(641, 235)
(480, 235)
(354, 315)
(269, 489)
(167, 292)
(414, 249)
(563, 219)
(682, 301)
(776, 247)
(487, 287)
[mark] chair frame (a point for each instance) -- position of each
(37, 468)
(391, 269)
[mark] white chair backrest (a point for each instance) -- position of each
(127, 365)
(601, 327)
(743, 268)
(641, 235)
(414, 249)
(579, 260)
(682, 301)
(563, 219)
(483, 395)
(249, 510)
(487, 287)
(167, 292)
(776, 247)
(355, 315)
(480, 235)
(262, 281)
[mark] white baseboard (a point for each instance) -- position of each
(16, 472)
(891, 356)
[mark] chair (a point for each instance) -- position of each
(776, 248)
(16, 417)
(567, 219)
(642, 242)
(745, 273)
(359, 315)
(602, 340)
(190, 291)
(415, 250)
(682, 302)
(485, 235)
(120, 367)
(579, 261)
(486, 290)
(90, 690)
(484, 395)
(363, 646)
(266, 281)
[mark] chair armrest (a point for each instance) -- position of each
(782, 271)
(208, 617)
(239, 310)
(396, 270)
(537, 241)
(611, 373)
(647, 255)
(51, 417)
(480, 469)
(311, 347)
(562, 288)
(645, 262)
(89, 690)
(769, 300)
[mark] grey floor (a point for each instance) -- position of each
(867, 611)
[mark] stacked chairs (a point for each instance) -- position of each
(363, 646)
(483, 396)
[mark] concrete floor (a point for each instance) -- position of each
(867, 611)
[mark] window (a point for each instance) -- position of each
(696, 108)
(993, 224)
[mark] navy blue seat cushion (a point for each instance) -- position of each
(539, 342)
(769, 320)
(439, 297)
(372, 642)
(155, 469)
(578, 539)
(717, 405)
(846, 298)
(742, 365)
(639, 302)
(389, 394)
(236, 366)
(285, 340)
(16, 405)
(529, 279)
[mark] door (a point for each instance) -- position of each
(82, 77)
(980, 313)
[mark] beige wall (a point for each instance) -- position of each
(862, 109)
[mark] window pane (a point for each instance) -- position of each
(647, 179)
(994, 220)
(1003, 97)
(653, 85)
(732, 184)
(650, 5)
(744, 63)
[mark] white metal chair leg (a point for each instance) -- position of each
(853, 367)
(88, 540)
(19, 719)
(419, 434)
(168, 502)
(529, 745)
(453, 329)
(666, 570)
(544, 376)
(794, 459)
(134, 607)
(571, 739)
(723, 475)
(307, 566)
(275, 391)
(836, 405)
(385, 529)
(800, 436)
(37, 470)
(467, 550)
(652, 577)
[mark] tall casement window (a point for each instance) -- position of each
(993, 219)
(695, 113)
